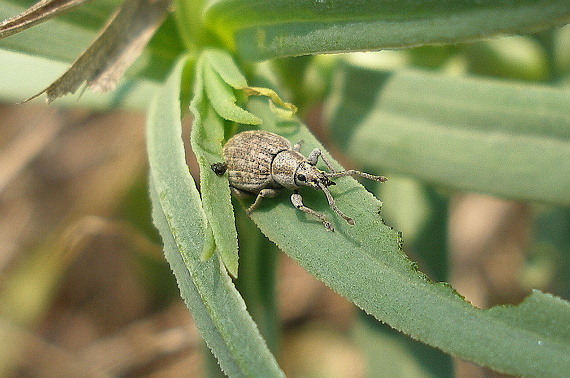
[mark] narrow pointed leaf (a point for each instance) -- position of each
(222, 97)
(226, 67)
(472, 134)
(270, 28)
(207, 136)
(217, 308)
(364, 263)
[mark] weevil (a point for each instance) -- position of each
(262, 163)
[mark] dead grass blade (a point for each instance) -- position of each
(120, 42)
(39, 12)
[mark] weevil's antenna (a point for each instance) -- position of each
(352, 172)
(332, 204)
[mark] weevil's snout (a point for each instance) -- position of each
(327, 182)
(322, 180)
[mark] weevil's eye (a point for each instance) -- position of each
(301, 177)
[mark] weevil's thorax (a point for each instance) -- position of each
(284, 166)
(291, 170)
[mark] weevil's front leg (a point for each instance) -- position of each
(314, 157)
(333, 206)
(297, 201)
(297, 146)
(263, 193)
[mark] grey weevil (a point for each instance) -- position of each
(263, 163)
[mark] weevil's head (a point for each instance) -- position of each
(291, 170)
(309, 175)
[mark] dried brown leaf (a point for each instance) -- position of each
(120, 42)
(39, 12)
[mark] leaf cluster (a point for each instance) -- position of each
(448, 130)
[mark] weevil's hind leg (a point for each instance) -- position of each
(240, 193)
(352, 172)
(297, 201)
(332, 205)
(262, 193)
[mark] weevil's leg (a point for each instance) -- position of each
(332, 204)
(352, 172)
(263, 193)
(297, 201)
(240, 193)
(297, 146)
(314, 157)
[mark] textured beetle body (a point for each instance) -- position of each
(262, 163)
(249, 156)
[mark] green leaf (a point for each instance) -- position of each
(258, 273)
(217, 308)
(364, 263)
(471, 134)
(219, 76)
(223, 63)
(207, 136)
(223, 99)
(271, 28)
(189, 23)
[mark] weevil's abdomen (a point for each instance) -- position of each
(248, 156)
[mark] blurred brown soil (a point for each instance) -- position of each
(84, 288)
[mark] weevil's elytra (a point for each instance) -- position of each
(262, 163)
(249, 156)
